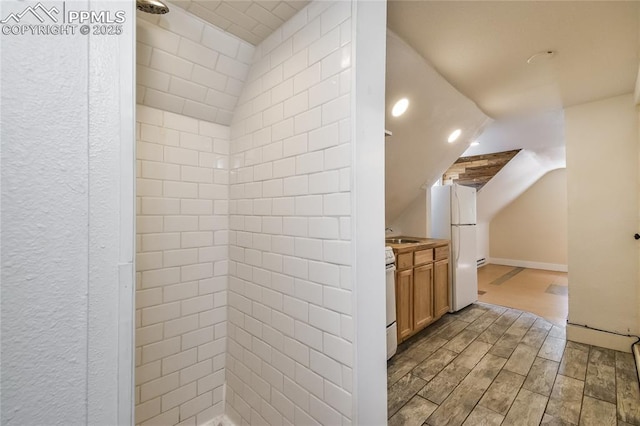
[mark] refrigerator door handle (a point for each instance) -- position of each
(457, 203)
(458, 246)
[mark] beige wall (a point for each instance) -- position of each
(533, 228)
(602, 198)
(413, 221)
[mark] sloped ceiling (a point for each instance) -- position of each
(534, 132)
(482, 47)
(515, 178)
(541, 134)
(194, 60)
(417, 153)
(188, 66)
(252, 21)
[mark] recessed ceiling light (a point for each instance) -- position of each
(454, 136)
(475, 143)
(541, 56)
(400, 107)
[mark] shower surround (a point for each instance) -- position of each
(190, 74)
(244, 300)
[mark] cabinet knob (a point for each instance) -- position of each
(637, 236)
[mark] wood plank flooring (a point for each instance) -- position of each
(490, 365)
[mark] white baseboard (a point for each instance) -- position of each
(527, 264)
(603, 339)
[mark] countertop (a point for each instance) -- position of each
(423, 244)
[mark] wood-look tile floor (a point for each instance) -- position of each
(490, 365)
(543, 293)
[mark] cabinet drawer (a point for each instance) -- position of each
(423, 256)
(442, 252)
(405, 260)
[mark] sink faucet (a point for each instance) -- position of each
(388, 230)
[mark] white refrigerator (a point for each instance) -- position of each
(453, 217)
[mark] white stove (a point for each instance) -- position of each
(392, 327)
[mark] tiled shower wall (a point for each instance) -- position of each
(290, 326)
(190, 70)
(188, 66)
(182, 262)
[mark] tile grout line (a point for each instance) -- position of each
(586, 372)
(514, 399)
(555, 379)
(483, 393)
(434, 335)
(617, 381)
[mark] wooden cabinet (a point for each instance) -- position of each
(404, 260)
(422, 296)
(441, 298)
(423, 256)
(404, 303)
(422, 287)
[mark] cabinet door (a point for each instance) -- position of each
(441, 301)
(404, 308)
(422, 296)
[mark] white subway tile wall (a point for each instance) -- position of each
(252, 21)
(290, 329)
(190, 67)
(181, 267)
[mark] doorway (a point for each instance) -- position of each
(526, 244)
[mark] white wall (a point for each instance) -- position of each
(532, 230)
(67, 225)
(291, 318)
(181, 264)
(602, 188)
(369, 34)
